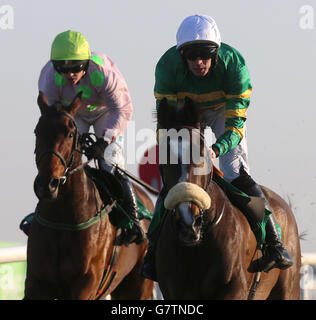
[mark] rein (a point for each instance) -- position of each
(141, 182)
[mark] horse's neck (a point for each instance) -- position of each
(78, 185)
(79, 190)
(218, 203)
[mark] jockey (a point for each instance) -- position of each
(215, 75)
(106, 105)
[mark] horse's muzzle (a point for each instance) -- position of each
(189, 226)
(46, 187)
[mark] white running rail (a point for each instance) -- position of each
(308, 283)
(13, 254)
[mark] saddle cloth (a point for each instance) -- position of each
(110, 188)
(248, 205)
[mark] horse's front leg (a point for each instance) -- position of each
(236, 289)
(85, 287)
(35, 289)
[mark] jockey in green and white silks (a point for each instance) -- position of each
(223, 94)
(215, 76)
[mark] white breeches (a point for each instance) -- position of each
(114, 153)
(231, 162)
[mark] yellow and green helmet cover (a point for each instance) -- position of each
(70, 45)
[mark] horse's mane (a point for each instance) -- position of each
(173, 116)
(58, 106)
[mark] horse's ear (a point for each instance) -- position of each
(42, 102)
(75, 104)
(191, 111)
(162, 114)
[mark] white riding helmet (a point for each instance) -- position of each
(198, 29)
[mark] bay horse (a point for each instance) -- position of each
(72, 241)
(205, 248)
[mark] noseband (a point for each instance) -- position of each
(66, 164)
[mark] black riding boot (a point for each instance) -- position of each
(130, 205)
(275, 255)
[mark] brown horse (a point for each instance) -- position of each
(205, 248)
(72, 241)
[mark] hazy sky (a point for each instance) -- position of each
(277, 39)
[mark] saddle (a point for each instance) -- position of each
(110, 188)
(248, 205)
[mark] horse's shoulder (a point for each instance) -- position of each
(274, 198)
(218, 194)
(282, 210)
(222, 200)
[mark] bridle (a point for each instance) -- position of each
(68, 171)
(218, 216)
(202, 138)
(67, 165)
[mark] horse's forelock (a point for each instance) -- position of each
(173, 116)
(58, 106)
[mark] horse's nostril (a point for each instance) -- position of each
(53, 184)
(198, 221)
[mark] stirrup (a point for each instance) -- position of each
(276, 256)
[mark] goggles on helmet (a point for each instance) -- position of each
(197, 51)
(70, 66)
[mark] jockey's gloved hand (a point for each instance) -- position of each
(97, 149)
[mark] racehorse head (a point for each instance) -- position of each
(56, 142)
(185, 165)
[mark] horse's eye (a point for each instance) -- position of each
(71, 135)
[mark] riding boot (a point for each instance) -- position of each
(135, 234)
(275, 255)
(148, 269)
